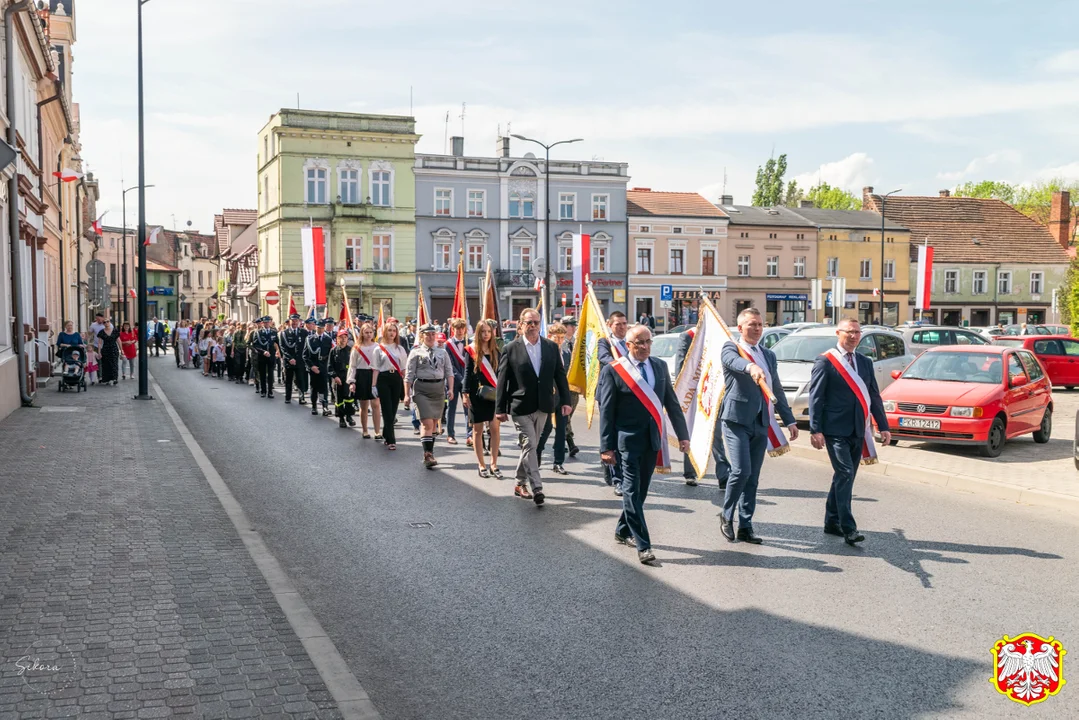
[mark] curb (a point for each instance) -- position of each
(961, 483)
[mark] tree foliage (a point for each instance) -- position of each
(793, 195)
(769, 190)
(987, 189)
(826, 197)
(1033, 200)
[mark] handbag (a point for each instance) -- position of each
(487, 393)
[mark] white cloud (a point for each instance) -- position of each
(851, 173)
(997, 163)
(1064, 62)
(1069, 171)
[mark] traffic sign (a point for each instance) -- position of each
(576, 298)
(212, 304)
(563, 298)
(666, 292)
(272, 297)
(95, 269)
(666, 304)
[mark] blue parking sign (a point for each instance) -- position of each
(666, 293)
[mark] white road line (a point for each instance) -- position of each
(352, 700)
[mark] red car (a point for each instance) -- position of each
(961, 395)
(1059, 354)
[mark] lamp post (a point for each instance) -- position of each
(144, 355)
(547, 303)
(123, 248)
(883, 202)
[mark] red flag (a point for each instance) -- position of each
(345, 317)
(132, 293)
(460, 304)
(67, 175)
(925, 277)
(291, 305)
(489, 306)
(97, 225)
(423, 315)
(314, 266)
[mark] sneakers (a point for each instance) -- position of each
(429, 461)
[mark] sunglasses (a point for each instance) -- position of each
(531, 322)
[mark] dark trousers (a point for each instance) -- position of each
(319, 388)
(573, 398)
(746, 445)
(176, 351)
(559, 426)
(846, 455)
(391, 390)
(295, 374)
(637, 467)
(451, 410)
(265, 380)
(719, 456)
(343, 404)
(613, 474)
(159, 345)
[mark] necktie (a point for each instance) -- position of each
(644, 373)
(850, 359)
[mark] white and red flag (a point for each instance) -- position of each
(313, 251)
(152, 238)
(67, 175)
(97, 228)
(582, 263)
(925, 277)
(460, 300)
(132, 293)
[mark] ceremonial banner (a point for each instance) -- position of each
(583, 371)
(423, 315)
(489, 304)
(925, 277)
(582, 262)
(314, 266)
(699, 386)
(291, 303)
(460, 303)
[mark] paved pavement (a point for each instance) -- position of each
(122, 576)
(449, 598)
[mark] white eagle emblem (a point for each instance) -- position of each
(1027, 673)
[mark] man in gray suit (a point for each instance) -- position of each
(745, 418)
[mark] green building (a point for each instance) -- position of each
(162, 284)
(350, 174)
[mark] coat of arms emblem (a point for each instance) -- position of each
(1028, 668)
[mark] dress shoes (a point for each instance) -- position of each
(522, 492)
(833, 530)
(628, 540)
(288, 401)
(853, 537)
(691, 481)
(559, 469)
(574, 450)
(646, 556)
(747, 535)
(727, 528)
(314, 411)
(538, 497)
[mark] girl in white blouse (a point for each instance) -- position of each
(361, 378)
(388, 379)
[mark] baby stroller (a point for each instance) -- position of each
(72, 369)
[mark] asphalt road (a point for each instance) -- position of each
(503, 610)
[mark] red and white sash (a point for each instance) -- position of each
(485, 366)
(777, 441)
(452, 347)
(363, 355)
(857, 386)
(644, 392)
(391, 358)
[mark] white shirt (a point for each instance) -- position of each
(849, 360)
(95, 328)
(382, 362)
(645, 369)
(535, 353)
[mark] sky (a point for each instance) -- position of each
(918, 96)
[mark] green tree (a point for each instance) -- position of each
(988, 189)
(769, 189)
(827, 197)
(1068, 298)
(793, 194)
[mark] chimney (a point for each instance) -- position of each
(726, 200)
(458, 144)
(1060, 218)
(502, 147)
(945, 193)
(806, 204)
(867, 197)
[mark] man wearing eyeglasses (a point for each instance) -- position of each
(607, 351)
(841, 386)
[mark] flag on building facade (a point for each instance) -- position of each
(98, 230)
(583, 370)
(314, 266)
(582, 263)
(460, 300)
(423, 315)
(67, 175)
(925, 277)
(489, 302)
(152, 239)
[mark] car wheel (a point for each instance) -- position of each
(1041, 435)
(1069, 387)
(995, 442)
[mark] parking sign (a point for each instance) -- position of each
(666, 292)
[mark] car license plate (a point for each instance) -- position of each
(919, 423)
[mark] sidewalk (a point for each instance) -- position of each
(125, 580)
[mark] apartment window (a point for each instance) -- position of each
(646, 228)
(515, 206)
(800, 267)
(112, 273)
(1035, 283)
(644, 260)
(708, 262)
(981, 281)
(187, 279)
(266, 192)
(599, 258)
(567, 206)
(476, 202)
(444, 202)
(677, 261)
(599, 207)
(266, 149)
(382, 252)
(380, 188)
(443, 255)
(348, 182)
(112, 243)
(565, 258)
(951, 281)
(771, 236)
(676, 230)
(1004, 282)
(172, 281)
(201, 311)
(832, 268)
(865, 270)
(772, 266)
(709, 231)
(889, 271)
(209, 277)
(528, 206)
(521, 257)
(316, 186)
(743, 266)
(353, 256)
(200, 279)
(474, 256)
(522, 206)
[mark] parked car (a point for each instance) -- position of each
(800, 326)
(664, 347)
(1019, 330)
(769, 337)
(985, 332)
(1058, 330)
(1058, 354)
(971, 395)
(797, 352)
(920, 339)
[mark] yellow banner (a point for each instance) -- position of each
(583, 371)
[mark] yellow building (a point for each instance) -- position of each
(849, 246)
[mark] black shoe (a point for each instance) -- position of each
(326, 412)
(628, 540)
(288, 401)
(341, 423)
(350, 421)
(833, 530)
(691, 481)
(646, 556)
(747, 535)
(537, 497)
(574, 450)
(727, 528)
(559, 469)
(314, 411)
(853, 537)
(303, 400)
(270, 396)
(263, 394)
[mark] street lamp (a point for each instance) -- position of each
(547, 202)
(883, 201)
(123, 248)
(144, 355)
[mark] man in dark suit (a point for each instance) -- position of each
(745, 415)
(617, 324)
(627, 428)
(531, 385)
(719, 453)
(837, 421)
(158, 338)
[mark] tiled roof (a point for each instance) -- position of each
(952, 224)
(765, 217)
(846, 219)
(640, 202)
(153, 265)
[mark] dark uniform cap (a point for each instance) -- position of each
(571, 320)
(294, 316)
(429, 328)
(311, 320)
(325, 321)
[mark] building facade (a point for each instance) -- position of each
(237, 240)
(162, 299)
(677, 239)
(351, 175)
(493, 208)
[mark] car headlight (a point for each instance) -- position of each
(889, 406)
(968, 412)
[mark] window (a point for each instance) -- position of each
(599, 258)
(316, 186)
(172, 281)
(865, 271)
(800, 267)
(1014, 368)
(889, 271)
(112, 242)
(867, 347)
(1071, 347)
(1004, 282)
(1034, 370)
(520, 258)
(528, 204)
(644, 260)
(929, 337)
(677, 259)
(980, 282)
(833, 268)
(200, 279)
(709, 231)
(474, 256)
(209, 277)
(201, 312)
(743, 266)
(1035, 283)
(676, 230)
(112, 273)
(567, 206)
(348, 182)
(951, 281)
(380, 188)
(708, 262)
(646, 228)
(353, 256)
(443, 255)
(890, 347)
(599, 207)
(966, 338)
(382, 252)
(522, 206)
(443, 202)
(266, 149)
(565, 258)
(477, 201)
(266, 192)
(187, 279)
(515, 206)
(772, 266)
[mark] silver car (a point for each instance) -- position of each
(920, 339)
(798, 351)
(665, 347)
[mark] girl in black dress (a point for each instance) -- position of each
(481, 373)
(110, 353)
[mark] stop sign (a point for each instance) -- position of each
(563, 298)
(272, 297)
